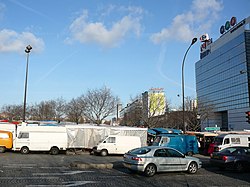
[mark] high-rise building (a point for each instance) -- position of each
(223, 77)
(153, 102)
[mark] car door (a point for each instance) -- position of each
(164, 161)
(111, 145)
(178, 159)
(22, 140)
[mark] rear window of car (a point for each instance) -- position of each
(234, 151)
(140, 151)
(228, 150)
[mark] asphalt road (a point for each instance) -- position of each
(39, 169)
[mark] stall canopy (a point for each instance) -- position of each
(166, 131)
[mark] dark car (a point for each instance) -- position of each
(237, 158)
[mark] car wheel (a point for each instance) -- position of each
(192, 168)
(2, 149)
(104, 152)
(239, 167)
(25, 150)
(150, 170)
(54, 151)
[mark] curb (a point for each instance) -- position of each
(96, 166)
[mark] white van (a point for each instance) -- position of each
(115, 144)
(229, 140)
(40, 138)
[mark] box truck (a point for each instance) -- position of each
(40, 138)
(115, 144)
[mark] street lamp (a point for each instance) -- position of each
(27, 50)
(183, 96)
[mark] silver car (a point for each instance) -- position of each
(154, 159)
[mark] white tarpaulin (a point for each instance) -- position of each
(88, 136)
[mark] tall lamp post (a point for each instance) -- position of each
(183, 96)
(27, 50)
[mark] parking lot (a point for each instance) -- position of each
(42, 169)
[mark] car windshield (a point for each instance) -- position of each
(157, 140)
(218, 140)
(140, 151)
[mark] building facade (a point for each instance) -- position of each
(153, 102)
(223, 77)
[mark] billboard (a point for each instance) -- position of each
(157, 103)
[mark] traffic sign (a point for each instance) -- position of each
(212, 128)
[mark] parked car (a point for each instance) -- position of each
(237, 158)
(153, 159)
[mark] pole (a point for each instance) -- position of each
(27, 50)
(25, 88)
(183, 94)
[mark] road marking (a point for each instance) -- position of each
(51, 167)
(30, 166)
(78, 183)
(66, 184)
(21, 164)
(26, 178)
(27, 166)
(62, 173)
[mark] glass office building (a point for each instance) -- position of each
(223, 78)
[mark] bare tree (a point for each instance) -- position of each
(205, 111)
(42, 111)
(13, 112)
(149, 112)
(99, 104)
(133, 114)
(60, 107)
(74, 110)
(191, 115)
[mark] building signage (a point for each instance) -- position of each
(238, 25)
(212, 128)
(206, 41)
(156, 89)
(228, 25)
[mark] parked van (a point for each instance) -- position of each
(228, 140)
(6, 141)
(35, 138)
(204, 140)
(115, 144)
(186, 144)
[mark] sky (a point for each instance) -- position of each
(128, 46)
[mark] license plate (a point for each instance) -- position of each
(216, 156)
(127, 165)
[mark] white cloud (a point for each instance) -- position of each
(197, 20)
(97, 32)
(11, 41)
